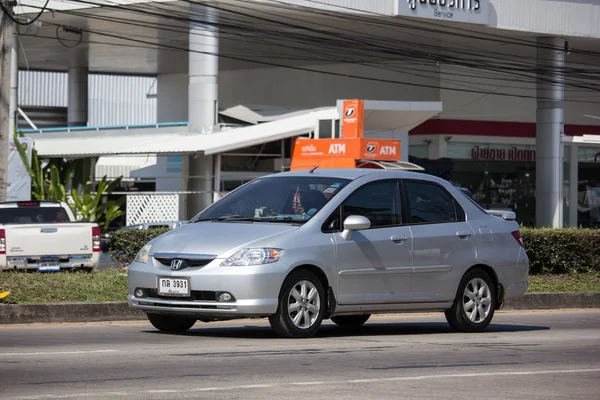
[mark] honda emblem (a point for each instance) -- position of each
(177, 264)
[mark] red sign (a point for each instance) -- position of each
(512, 154)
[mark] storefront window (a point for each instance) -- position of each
(588, 190)
(419, 150)
(499, 176)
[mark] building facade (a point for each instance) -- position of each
(520, 118)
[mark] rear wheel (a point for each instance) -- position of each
(352, 321)
(171, 324)
(301, 307)
(475, 303)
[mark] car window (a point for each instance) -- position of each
(276, 199)
(476, 204)
(33, 215)
(429, 203)
(377, 201)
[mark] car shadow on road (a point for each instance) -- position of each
(251, 331)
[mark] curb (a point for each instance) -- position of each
(68, 312)
(554, 301)
(120, 310)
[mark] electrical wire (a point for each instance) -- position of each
(139, 11)
(527, 73)
(70, 30)
(13, 19)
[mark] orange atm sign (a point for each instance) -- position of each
(356, 149)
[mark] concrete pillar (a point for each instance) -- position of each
(202, 106)
(549, 129)
(573, 183)
(77, 111)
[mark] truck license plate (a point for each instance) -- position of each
(48, 266)
(174, 287)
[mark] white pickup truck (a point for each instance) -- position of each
(44, 236)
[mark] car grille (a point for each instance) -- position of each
(189, 262)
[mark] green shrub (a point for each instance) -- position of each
(559, 251)
(126, 243)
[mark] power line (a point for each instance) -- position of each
(466, 63)
(15, 20)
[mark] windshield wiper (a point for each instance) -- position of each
(227, 218)
(252, 219)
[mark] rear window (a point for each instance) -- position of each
(33, 215)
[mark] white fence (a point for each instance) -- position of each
(157, 207)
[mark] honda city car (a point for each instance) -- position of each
(341, 244)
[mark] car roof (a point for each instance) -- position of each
(352, 173)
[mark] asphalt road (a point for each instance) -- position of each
(526, 355)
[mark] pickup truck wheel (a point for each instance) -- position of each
(171, 324)
(301, 306)
(475, 303)
(352, 321)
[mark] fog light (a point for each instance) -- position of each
(139, 292)
(225, 297)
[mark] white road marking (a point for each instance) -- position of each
(280, 384)
(45, 353)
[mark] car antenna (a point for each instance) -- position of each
(313, 170)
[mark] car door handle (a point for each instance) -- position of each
(398, 239)
(463, 234)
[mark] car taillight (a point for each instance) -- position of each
(2, 241)
(517, 236)
(96, 239)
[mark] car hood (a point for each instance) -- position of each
(216, 238)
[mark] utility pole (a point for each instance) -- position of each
(6, 31)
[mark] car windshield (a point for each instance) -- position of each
(275, 199)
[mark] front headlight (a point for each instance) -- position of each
(257, 256)
(143, 254)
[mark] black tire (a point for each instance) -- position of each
(171, 324)
(282, 322)
(457, 316)
(350, 321)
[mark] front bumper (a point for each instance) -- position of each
(255, 289)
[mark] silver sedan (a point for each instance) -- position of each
(339, 244)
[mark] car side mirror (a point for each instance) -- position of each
(354, 223)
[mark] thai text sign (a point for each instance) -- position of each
(468, 11)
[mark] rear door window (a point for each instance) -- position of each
(430, 203)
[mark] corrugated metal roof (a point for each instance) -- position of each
(43, 88)
(121, 100)
(115, 166)
(112, 99)
(174, 140)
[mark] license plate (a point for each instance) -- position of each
(174, 287)
(48, 266)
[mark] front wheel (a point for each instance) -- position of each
(475, 303)
(171, 324)
(301, 306)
